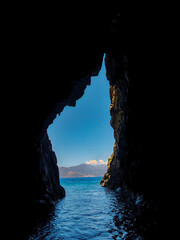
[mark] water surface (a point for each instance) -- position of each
(90, 211)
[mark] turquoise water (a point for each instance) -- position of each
(90, 211)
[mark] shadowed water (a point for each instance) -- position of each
(90, 211)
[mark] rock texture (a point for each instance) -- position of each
(47, 187)
(114, 174)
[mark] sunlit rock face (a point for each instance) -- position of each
(114, 175)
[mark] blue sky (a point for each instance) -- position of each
(83, 133)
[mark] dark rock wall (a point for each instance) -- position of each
(139, 69)
(46, 185)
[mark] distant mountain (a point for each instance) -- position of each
(83, 170)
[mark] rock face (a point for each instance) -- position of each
(114, 175)
(47, 185)
(55, 52)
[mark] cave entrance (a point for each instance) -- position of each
(81, 136)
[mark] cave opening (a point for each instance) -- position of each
(131, 38)
(83, 140)
(82, 136)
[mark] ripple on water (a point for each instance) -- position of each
(90, 212)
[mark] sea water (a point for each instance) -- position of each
(90, 211)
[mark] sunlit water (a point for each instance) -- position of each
(90, 211)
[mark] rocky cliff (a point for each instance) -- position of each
(114, 175)
(47, 187)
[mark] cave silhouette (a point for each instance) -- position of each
(55, 51)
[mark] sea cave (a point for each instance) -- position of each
(60, 50)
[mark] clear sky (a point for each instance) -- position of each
(83, 133)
